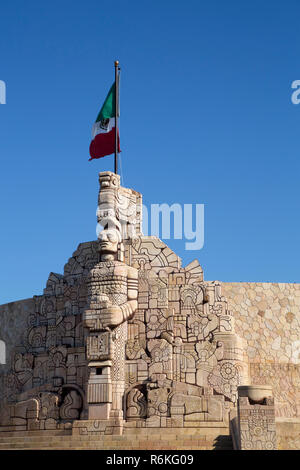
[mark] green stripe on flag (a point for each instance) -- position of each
(108, 109)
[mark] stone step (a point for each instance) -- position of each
(115, 443)
(94, 447)
(164, 433)
(48, 432)
(6, 437)
(142, 439)
(171, 448)
(197, 427)
(154, 445)
(33, 438)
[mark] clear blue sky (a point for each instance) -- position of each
(206, 117)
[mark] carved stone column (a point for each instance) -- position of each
(256, 418)
(112, 300)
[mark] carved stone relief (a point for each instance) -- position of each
(142, 337)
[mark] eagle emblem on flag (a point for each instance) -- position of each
(104, 124)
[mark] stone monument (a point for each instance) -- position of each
(128, 338)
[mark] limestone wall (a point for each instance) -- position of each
(267, 316)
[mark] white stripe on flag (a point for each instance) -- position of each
(98, 127)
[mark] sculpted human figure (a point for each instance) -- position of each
(118, 290)
(112, 300)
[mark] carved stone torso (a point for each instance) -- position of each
(107, 284)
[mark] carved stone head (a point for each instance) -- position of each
(109, 240)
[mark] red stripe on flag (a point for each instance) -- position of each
(103, 144)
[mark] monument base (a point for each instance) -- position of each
(99, 411)
(95, 427)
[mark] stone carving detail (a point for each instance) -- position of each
(99, 346)
(126, 333)
(136, 404)
(52, 353)
(256, 421)
(285, 380)
(71, 406)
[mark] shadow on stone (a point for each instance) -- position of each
(223, 442)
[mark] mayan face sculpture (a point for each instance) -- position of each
(108, 242)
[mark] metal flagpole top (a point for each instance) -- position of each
(116, 114)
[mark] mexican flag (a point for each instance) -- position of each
(103, 132)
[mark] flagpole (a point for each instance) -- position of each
(116, 113)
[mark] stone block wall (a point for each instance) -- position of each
(267, 317)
